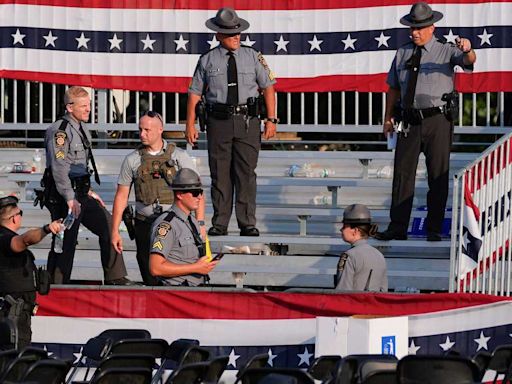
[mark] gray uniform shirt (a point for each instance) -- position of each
(131, 164)
(66, 154)
(436, 74)
(211, 74)
(360, 260)
(175, 242)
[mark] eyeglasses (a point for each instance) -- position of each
(154, 114)
(16, 214)
(196, 192)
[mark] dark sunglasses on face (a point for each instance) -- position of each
(16, 214)
(196, 192)
(154, 114)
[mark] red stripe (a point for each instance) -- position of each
(238, 306)
(467, 83)
(280, 5)
(468, 199)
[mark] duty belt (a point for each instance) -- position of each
(224, 111)
(415, 116)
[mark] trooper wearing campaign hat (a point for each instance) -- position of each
(421, 81)
(177, 252)
(17, 268)
(230, 78)
(362, 267)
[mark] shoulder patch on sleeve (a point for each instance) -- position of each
(162, 230)
(342, 262)
(60, 138)
(157, 245)
(59, 155)
(263, 62)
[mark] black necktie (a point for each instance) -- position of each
(232, 81)
(88, 146)
(414, 68)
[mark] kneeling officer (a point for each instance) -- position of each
(362, 267)
(177, 252)
(17, 269)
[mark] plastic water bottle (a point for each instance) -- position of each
(36, 161)
(59, 237)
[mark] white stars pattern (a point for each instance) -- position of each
(50, 39)
(115, 42)
(349, 43)
(447, 344)
(485, 38)
(82, 41)
(181, 43)
(450, 37)
(148, 43)
(304, 357)
(271, 357)
(315, 44)
(233, 358)
(482, 341)
(281, 44)
(248, 42)
(18, 37)
(213, 42)
(413, 349)
(382, 40)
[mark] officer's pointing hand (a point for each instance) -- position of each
(117, 241)
(191, 134)
(74, 206)
(463, 44)
(204, 266)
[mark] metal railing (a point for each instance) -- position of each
(481, 257)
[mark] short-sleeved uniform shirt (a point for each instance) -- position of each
(66, 154)
(175, 241)
(360, 260)
(131, 164)
(16, 269)
(436, 74)
(211, 74)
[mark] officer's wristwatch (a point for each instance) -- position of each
(201, 223)
(273, 120)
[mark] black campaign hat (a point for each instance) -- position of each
(421, 15)
(8, 200)
(227, 21)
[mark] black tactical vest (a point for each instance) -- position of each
(154, 176)
(16, 269)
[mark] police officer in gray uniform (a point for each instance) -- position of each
(230, 77)
(421, 77)
(150, 168)
(362, 267)
(68, 153)
(177, 252)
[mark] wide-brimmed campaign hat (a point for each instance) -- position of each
(227, 21)
(421, 15)
(186, 179)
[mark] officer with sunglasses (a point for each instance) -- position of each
(67, 180)
(177, 252)
(17, 268)
(230, 77)
(150, 169)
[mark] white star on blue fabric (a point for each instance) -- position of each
(482, 341)
(48, 352)
(115, 42)
(248, 42)
(181, 43)
(304, 357)
(349, 43)
(148, 43)
(315, 44)
(233, 358)
(78, 355)
(382, 40)
(485, 38)
(213, 42)
(82, 41)
(281, 44)
(271, 357)
(413, 349)
(450, 37)
(18, 37)
(447, 344)
(50, 39)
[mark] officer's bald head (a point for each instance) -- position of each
(151, 129)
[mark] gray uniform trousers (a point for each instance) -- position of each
(233, 156)
(433, 137)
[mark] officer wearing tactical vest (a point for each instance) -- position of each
(177, 252)
(150, 168)
(362, 267)
(67, 178)
(230, 77)
(17, 268)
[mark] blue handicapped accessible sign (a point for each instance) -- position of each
(388, 345)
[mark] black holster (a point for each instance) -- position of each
(81, 185)
(128, 220)
(201, 115)
(42, 281)
(451, 108)
(48, 196)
